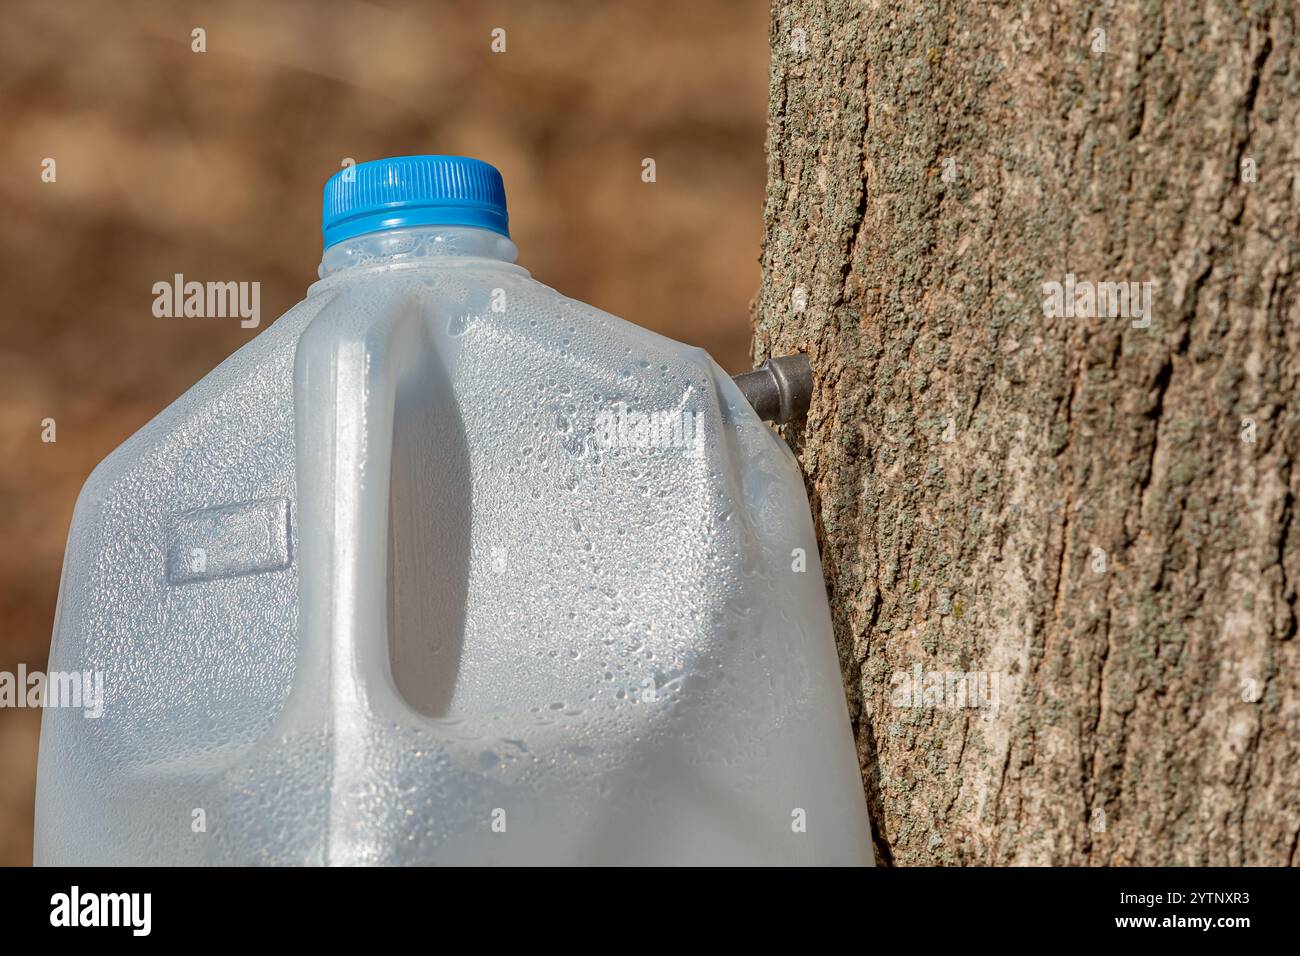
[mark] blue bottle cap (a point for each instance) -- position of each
(413, 191)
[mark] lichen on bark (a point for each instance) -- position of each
(1095, 512)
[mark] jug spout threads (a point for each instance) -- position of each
(780, 390)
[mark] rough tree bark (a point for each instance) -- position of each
(1095, 514)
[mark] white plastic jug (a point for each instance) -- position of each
(444, 567)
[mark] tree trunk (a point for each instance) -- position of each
(1076, 515)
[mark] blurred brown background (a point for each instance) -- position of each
(210, 164)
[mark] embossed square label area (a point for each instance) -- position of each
(250, 537)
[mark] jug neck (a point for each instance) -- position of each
(414, 243)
